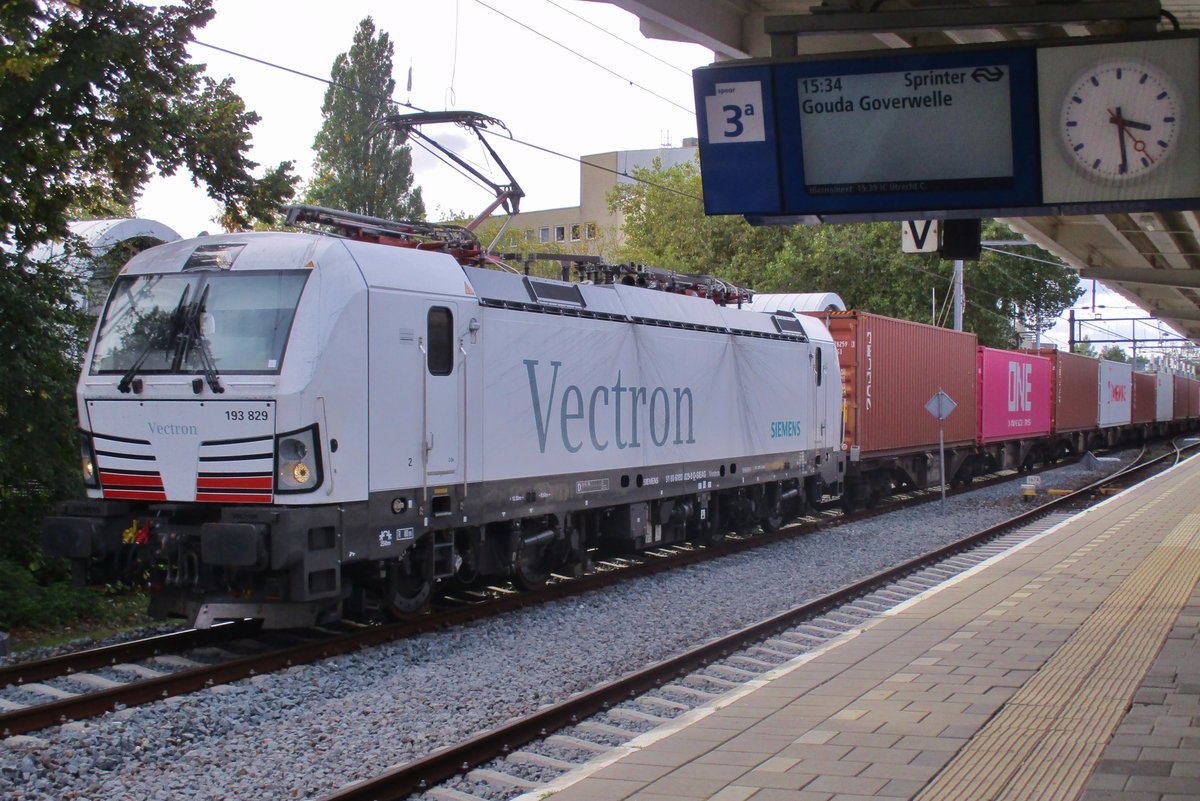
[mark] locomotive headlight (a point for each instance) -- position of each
(87, 462)
(297, 459)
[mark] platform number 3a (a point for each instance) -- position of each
(734, 113)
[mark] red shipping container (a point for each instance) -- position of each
(1075, 388)
(1144, 397)
(890, 370)
(1180, 388)
(1014, 395)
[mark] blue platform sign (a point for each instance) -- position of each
(1030, 128)
(737, 139)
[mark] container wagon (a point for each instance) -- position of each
(890, 370)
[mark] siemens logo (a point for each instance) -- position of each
(172, 428)
(785, 428)
(616, 415)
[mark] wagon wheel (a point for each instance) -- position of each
(407, 592)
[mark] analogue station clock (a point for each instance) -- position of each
(1120, 120)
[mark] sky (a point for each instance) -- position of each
(496, 57)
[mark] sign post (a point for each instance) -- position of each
(940, 406)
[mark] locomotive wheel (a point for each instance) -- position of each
(407, 593)
(709, 535)
(532, 567)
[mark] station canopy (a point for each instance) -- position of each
(1151, 258)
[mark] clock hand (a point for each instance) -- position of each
(1123, 127)
(1116, 120)
(1141, 126)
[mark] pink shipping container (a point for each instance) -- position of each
(1143, 398)
(1116, 393)
(1075, 388)
(890, 370)
(1014, 395)
(1180, 391)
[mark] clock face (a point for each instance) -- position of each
(1120, 120)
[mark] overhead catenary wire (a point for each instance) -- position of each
(609, 33)
(591, 61)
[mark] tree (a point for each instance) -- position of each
(665, 225)
(1114, 353)
(1084, 347)
(99, 94)
(360, 166)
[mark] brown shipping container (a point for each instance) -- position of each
(1193, 398)
(890, 370)
(1180, 387)
(1143, 398)
(1076, 390)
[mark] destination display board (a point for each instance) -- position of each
(1023, 128)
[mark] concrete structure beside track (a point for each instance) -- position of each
(1066, 668)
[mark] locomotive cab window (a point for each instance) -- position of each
(441, 341)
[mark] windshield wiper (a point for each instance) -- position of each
(154, 344)
(193, 335)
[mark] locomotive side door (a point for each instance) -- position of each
(442, 380)
(820, 395)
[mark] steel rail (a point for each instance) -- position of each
(103, 656)
(421, 774)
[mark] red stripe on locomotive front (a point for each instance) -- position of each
(229, 497)
(235, 482)
(134, 495)
(130, 480)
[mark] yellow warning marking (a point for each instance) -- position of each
(1043, 743)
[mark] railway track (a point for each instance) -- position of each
(93, 682)
(515, 759)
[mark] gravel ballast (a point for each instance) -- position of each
(305, 732)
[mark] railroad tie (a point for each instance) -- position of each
(501, 781)
(539, 760)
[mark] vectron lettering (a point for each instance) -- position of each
(619, 415)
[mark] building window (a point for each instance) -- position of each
(530, 235)
(591, 230)
(560, 233)
(544, 234)
(575, 232)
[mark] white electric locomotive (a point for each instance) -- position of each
(290, 426)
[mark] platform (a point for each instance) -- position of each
(1067, 668)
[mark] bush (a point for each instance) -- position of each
(25, 603)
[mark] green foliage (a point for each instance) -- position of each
(1085, 348)
(360, 166)
(26, 603)
(98, 95)
(41, 337)
(665, 225)
(1114, 353)
(33, 599)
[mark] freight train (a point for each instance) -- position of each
(298, 426)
